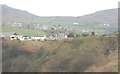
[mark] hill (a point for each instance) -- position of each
(13, 15)
(109, 16)
(104, 21)
(84, 54)
(101, 17)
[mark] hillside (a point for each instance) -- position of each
(22, 31)
(101, 17)
(109, 16)
(13, 15)
(104, 21)
(84, 54)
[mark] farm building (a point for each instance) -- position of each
(15, 36)
(6, 35)
(18, 37)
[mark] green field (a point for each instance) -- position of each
(68, 22)
(50, 21)
(22, 31)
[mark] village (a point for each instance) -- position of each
(56, 32)
(52, 33)
(59, 36)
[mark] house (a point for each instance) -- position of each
(41, 38)
(7, 35)
(57, 33)
(19, 37)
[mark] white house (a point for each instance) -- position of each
(7, 35)
(19, 37)
(41, 38)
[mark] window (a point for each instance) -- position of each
(12, 37)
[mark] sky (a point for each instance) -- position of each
(61, 7)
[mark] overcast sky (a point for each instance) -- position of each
(61, 7)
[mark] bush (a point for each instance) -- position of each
(54, 40)
(85, 35)
(77, 35)
(17, 39)
(93, 33)
(70, 35)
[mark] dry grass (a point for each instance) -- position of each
(73, 55)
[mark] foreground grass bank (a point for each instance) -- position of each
(84, 54)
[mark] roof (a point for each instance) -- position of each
(6, 34)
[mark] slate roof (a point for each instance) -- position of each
(7, 34)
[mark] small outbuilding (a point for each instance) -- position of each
(7, 35)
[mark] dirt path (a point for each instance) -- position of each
(58, 44)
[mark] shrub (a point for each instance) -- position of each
(70, 35)
(85, 35)
(93, 33)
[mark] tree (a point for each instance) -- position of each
(93, 33)
(85, 35)
(70, 35)
(77, 35)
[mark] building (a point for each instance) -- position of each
(22, 38)
(7, 35)
(56, 33)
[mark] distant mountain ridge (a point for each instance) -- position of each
(12, 15)
(101, 17)
(109, 16)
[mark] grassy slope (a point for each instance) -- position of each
(75, 55)
(68, 22)
(22, 31)
(50, 21)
